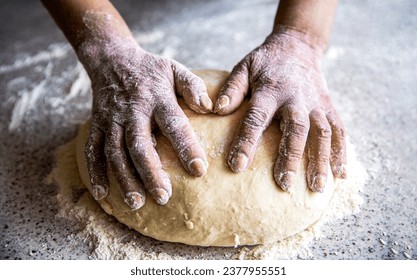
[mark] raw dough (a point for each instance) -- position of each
(222, 208)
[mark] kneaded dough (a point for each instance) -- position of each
(221, 208)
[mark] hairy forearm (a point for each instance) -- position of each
(311, 17)
(82, 20)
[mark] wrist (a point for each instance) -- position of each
(103, 36)
(95, 52)
(310, 41)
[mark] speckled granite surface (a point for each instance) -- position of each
(370, 66)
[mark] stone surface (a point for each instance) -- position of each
(370, 66)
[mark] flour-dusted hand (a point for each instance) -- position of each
(285, 81)
(134, 90)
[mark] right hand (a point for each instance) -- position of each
(132, 91)
(285, 80)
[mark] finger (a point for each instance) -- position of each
(295, 125)
(319, 140)
(338, 146)
(146, 160)
(176, 127)
(192, 88)
(257, 118)
(96, 163)
(122, 169)
(234, 90)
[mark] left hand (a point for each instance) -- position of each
(133, 92)
(286, 82)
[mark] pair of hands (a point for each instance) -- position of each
(134, 91)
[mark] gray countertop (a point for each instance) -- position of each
(370, 66)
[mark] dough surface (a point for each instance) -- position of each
(221, 208)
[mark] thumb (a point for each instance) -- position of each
(234, 90)
(192, 88)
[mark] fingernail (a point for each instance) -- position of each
(197, 167)
(205, 102)
(134, 200)
(221, 103)
(99, 192)
(319, 182)
(286, 180)
(239, 162)
(161, 196)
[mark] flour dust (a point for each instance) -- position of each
(112, 240)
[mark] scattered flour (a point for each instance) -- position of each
(149, 37)
(335, 53)
(49, 88)
(58, 50)
(112, 240)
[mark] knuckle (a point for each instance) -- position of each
(320, 125)
(195, 81)
(299, 125)
(237, 79)
(235, 82)
(297, 121)
(292, 154)
(112, 152)
(335, 122)
(173, 124)
(256, 117)
(185, 146)
(337, 127)
(289, 161)
(139, 145)
(339, 131)
(230, 86)
(323, 130)
(336, 151)
(138, 141)
(189, 83)
(148, 177)
(319, 159)
(245, 143)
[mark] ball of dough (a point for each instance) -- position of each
(221, 208)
